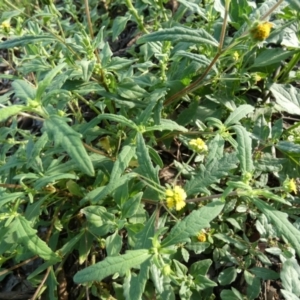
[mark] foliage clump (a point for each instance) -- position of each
(150, 149)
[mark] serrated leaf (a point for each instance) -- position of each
(70, 140)
(288, 295)
(145, 167)
(70, 244)
(42, 86)
(24, 90)
(116, 179)
(193, 223)
(144, 236)
(29, 238)
(115, 118)
(6, 112)
(289, 278)
(280, 221)
(166, 124)
(25, 40)
(9, 197)
(244, 148)
(271, 56)
(180, 34)
(289, 147)
(112, 265)
(200, 58)
(194, 7)
(238, 114)
(211, 173)
(130, 207)
(137, 283)
(39, 183)
(287, 97)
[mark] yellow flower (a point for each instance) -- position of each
(289, 185)
(201, 236)
(198, 145)
(236, 55)
(5, 25)
(175, 198)
(261, 31)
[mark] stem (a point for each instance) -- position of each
(134, 12)
(88, 17)
(178, 174)
(41, 284)
(196, 83)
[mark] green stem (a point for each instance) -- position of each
(134, 12)
(178, 174)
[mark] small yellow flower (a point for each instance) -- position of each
(236, 56)
(5, 25)
(289, 185)
(201, 236)
(261, 31)
(198, 145)
(175, 198)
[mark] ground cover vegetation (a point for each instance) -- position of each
(149, 149)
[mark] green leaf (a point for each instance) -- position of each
(289, 148)
(180, 34)
(287, 97)
(130, 207)
(137, 283)
(24, 90)
(193, 223)
(145, 167)
(6, 112)
(119, 25)
(254, 285)
(39, 183)
(63, 135)
(6, 198)
(42, 86)
(70, 244)
(112, 265)
(115, 118)
(227, 276)
(244, 148)
(232, 294)
(271, 56)
(113, 244)
(203, 282)
(28, 237)
(238, 114)
(200, 58)
(264, 273)
(116, 180)
(211, 173)
(25, 40)
(261, 130)
(290, 277)
(193, 7)
(143, 238)
(280, 221)
(200, 267)
(166, 124)
(288, 295)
